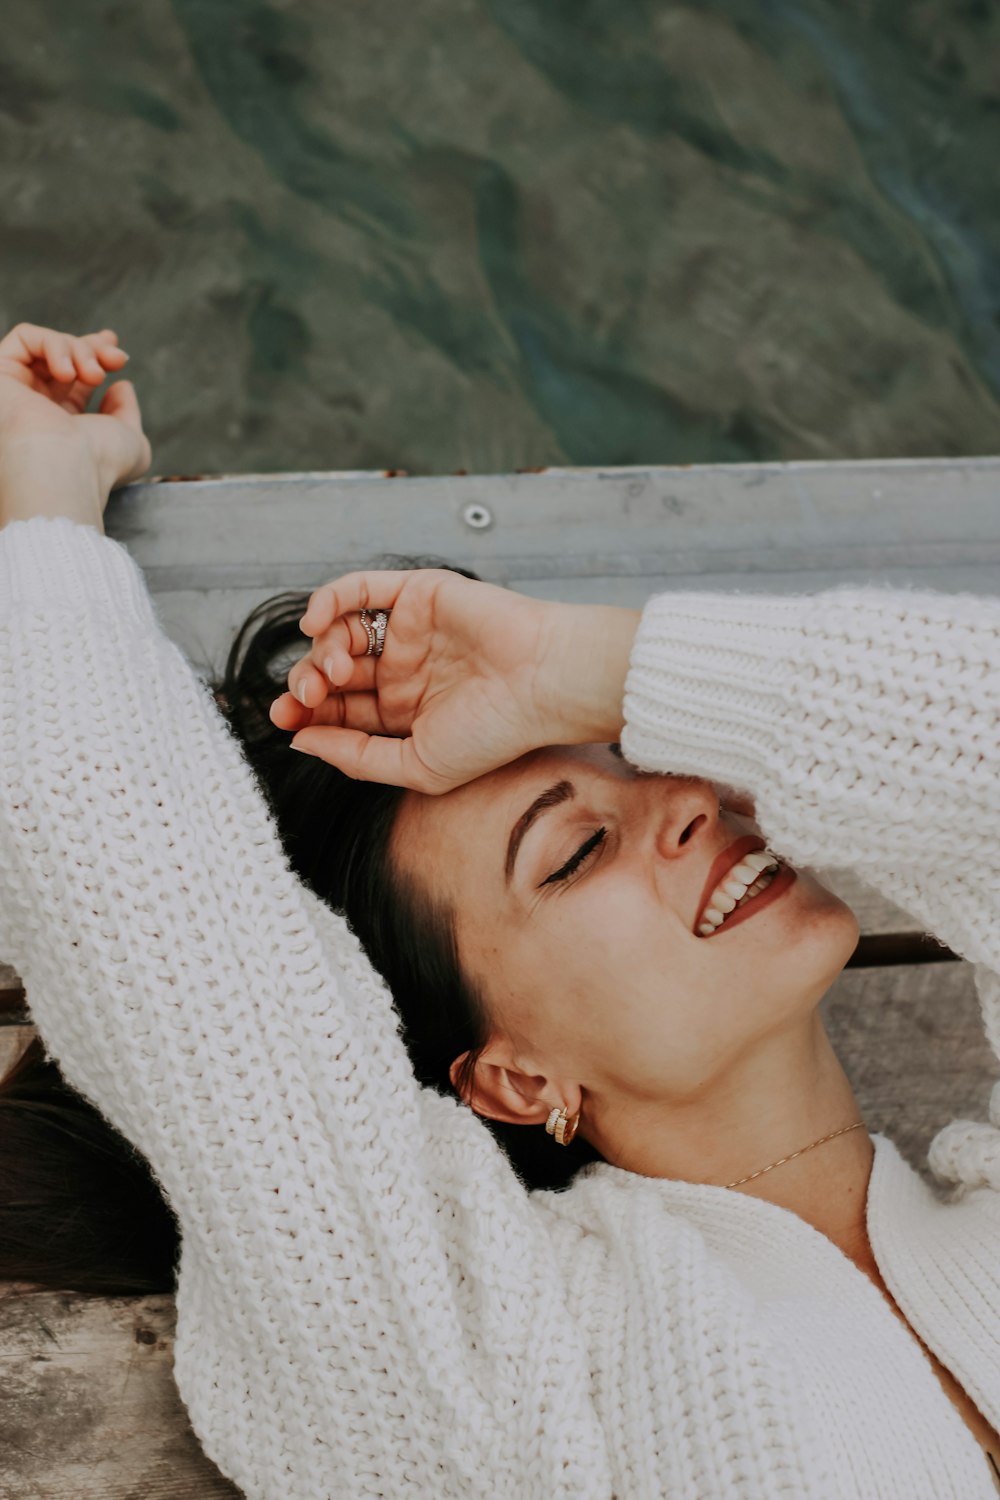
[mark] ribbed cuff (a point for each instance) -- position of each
(709, 682)
(52, 562)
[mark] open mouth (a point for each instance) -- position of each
(763, 893)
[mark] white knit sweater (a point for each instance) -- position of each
(369, 1304)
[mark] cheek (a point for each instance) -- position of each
(604, 931)
(632, 997)
(604, 979)
(608, 983)
(551, 980)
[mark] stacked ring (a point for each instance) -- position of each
(375, 630)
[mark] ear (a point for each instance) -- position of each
(502, 1092)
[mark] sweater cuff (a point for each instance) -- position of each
(708, 682)
(53, 562)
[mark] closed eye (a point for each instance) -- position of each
(577, 859)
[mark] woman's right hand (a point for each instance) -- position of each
(56, 457)
(471, 676)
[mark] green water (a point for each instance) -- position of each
(492, 234)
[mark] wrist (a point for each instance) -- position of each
(49, 475)
(590, 652)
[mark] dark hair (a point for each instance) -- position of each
(79, 1207)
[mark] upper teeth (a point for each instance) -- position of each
(743, 880)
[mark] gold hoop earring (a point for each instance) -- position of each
(561, 1126)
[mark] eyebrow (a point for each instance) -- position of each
(563, 791)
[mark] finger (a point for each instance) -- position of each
(61, 357)
(76, 398)
(351, 592)
(130, 452)
(27, 343)
(57, 354)
(307, 683)
(120, 400)
(360, 678)
(338, 666)
(368, 757)
(334, 650)
(349, 711)
(286, 712)
(110, 357)
(340, 651)
(22, 342)
(104, 346)
(88, 365)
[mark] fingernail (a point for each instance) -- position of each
(300, 748)
(300, 693)
(328, 668)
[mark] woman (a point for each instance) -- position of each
(742, 1293)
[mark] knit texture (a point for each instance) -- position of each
(369, 1303)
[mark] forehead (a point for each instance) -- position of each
(458, 842)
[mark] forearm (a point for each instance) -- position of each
(49, 476)
(863, 719)
(592, 645)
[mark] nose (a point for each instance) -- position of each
(690, 810)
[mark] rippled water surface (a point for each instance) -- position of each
(494, 234)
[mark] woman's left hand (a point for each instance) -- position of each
(55, 457)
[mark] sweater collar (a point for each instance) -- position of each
(767, 1243)
(937, 1255)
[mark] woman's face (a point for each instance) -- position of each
(595, 973)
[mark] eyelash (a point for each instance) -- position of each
(577, 859)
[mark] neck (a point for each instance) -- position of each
(789, 1094)
(827, 1186)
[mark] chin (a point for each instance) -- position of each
(828, 924)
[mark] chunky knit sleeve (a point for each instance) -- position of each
(367, 1304)
(865, 723)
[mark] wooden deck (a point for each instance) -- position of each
(89, 1407)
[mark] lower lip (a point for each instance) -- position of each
(785, 877)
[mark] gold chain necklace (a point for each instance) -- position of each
(795, 1154)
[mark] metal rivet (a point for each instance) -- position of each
(477, 516)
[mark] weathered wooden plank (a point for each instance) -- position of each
(912, 1043)
(88, 1404)
(212, 549)
(13, 1040)
(879, 950)
(631, 592)
(11, 991)
(770, 518)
